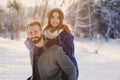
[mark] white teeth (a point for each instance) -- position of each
(54, 23)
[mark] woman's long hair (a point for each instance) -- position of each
(61, 25)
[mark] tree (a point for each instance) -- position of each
(14, 19)
(83, 16)
(93, 18)
(108, 14)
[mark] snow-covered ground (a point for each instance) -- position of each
(103, 65)
(14, 60)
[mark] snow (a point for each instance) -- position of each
(14, 60)
(103, 65)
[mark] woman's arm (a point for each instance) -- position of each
(66, 64)
(29, 45)
(67, 42)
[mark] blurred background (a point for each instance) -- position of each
(95, 24)
(89, 18)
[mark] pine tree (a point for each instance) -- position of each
(108, 12)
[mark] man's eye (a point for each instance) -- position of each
(30, 32)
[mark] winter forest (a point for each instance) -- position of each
(88, 18)
(96, 30)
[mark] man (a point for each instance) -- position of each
(48, 62)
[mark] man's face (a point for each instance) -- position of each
(34, 33)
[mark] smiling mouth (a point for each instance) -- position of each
(34, 39)
(55, 23)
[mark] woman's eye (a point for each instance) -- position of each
(52, 17)
(57, 17)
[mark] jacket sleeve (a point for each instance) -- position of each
(67, 42)
(65, 64)
(29, 45)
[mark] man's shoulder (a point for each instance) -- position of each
(55, 47)
(56, 50)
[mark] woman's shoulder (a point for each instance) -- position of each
(64, 33)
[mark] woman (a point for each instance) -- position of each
(59, 33)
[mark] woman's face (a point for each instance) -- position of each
(55, 19)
